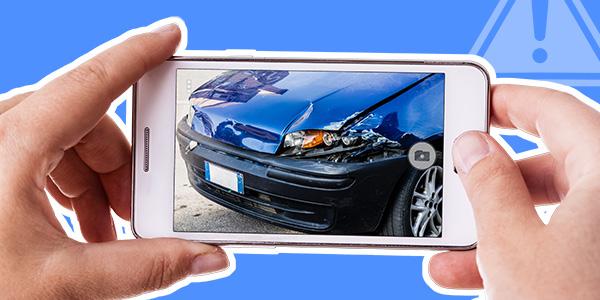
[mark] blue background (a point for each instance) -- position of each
(38, 38)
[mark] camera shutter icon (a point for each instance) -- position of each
(421, 155)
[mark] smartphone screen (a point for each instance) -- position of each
(309, 152)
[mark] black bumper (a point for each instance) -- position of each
(301, 194)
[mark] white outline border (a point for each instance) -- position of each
(427, 254)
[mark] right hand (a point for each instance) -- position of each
(518, 256)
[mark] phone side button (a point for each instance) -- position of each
(146, 149)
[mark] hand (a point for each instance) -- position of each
(518, 256)
(60, 139)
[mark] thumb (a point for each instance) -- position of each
(126, 268)
(500, 199)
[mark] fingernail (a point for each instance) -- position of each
(209, 262)
(469, 148)
(166, 28)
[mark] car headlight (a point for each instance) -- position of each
(309, 139)
(349, 140)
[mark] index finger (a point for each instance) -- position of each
(7, 104)
(568, 127)
(57, 116)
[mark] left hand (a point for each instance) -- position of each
(60, 139)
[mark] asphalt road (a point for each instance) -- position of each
(193, 212)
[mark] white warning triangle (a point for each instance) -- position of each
(569, 50)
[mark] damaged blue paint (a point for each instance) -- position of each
(255, 109)
(417, 114)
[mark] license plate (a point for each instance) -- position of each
(223, 177)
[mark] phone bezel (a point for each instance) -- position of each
(467, 89)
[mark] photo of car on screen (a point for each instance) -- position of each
(346, 153)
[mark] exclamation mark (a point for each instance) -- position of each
(540, 19)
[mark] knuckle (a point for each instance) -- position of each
(492, 168)
(91, 72)
(13, 144)
(162, 274)
(142, 42)
(552, 97)
(4, 134)
(487, 174)
(139, 52)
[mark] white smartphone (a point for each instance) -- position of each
(307, 149)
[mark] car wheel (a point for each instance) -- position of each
(417, 206)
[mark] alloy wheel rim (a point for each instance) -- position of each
(425, 207)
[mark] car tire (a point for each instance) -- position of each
(399, 220)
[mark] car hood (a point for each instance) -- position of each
(256, 109)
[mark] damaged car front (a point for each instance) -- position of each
(319, 152)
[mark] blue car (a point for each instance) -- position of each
(319, 152)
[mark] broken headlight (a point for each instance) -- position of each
(296, 142)
(350, 140)
(349, 146)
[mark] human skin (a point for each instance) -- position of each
(59, 139)
(518, 256)
(83, 161)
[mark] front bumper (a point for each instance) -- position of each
(301, 194)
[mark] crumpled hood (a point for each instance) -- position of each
(256, 109)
